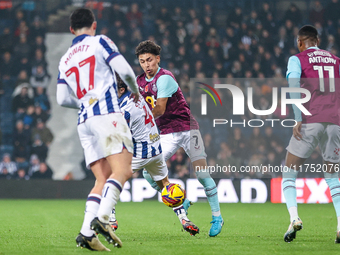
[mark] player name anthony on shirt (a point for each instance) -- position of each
(322, 60)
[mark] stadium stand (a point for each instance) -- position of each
(220, 39)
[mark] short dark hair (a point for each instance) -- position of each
(120, 83)
(148, 47)
(309, 32)
(81, 17)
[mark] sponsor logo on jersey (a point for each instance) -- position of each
(154, 87)
(154, 137)
(92, 100)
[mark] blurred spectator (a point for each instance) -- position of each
(7, 166)
(39, 78)
(37, 29)
(24, 65)
(235, 18)
(115, 14)
(39, 60)
(177, 161)
(39, 44)
(7, 66)
(21, 102)
(332, 12)
(22, 30)
(4, 173)
(44, 172)
(28, 118)
(39, 148)
(256, 139)
(293, 14)
(22, 142)
(177, 15)
(209, 146)
(19, 16)
(34, 165)
(134, 15)
(39, 114)
(226, 158)
(181, 172)
(270, 137)
(43, 132)
(6, 41)
(22, 175)
(263, 13)
(42, 100)
(22, 78)
(316, 14)
(194, 27)
(330, 43)
(22, 49)
(237, 144)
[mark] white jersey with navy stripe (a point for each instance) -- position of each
(145, 135)
(85, 68)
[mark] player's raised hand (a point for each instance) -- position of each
(135, 97)
(296, 131)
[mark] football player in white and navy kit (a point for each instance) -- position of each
(87, 70)
(147, 148)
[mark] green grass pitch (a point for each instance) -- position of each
(50, 227)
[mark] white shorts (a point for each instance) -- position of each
(155, 166)
(104, 135)
(191, 141)
(326, 135)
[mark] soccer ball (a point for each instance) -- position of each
(173, 195)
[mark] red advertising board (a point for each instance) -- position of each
(308, 190)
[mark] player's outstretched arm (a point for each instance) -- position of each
(65, 97)
(160, 107)
(122, 67)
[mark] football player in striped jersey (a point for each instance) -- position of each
(147, 152)
(87, 82)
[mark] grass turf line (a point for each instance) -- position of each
(50, 227)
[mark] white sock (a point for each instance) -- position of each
(293, 213)
(180, 212)
(110, 196)
(338, 224)
(91, 209)
(218, 213)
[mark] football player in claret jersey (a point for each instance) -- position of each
(178, 128)
(316, 70)
(147, 149)
(88, 70)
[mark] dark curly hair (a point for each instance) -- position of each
(148, 47)
(309, 32)
(81, 17)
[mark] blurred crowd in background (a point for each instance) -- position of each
(24, 103)
(196, 43)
